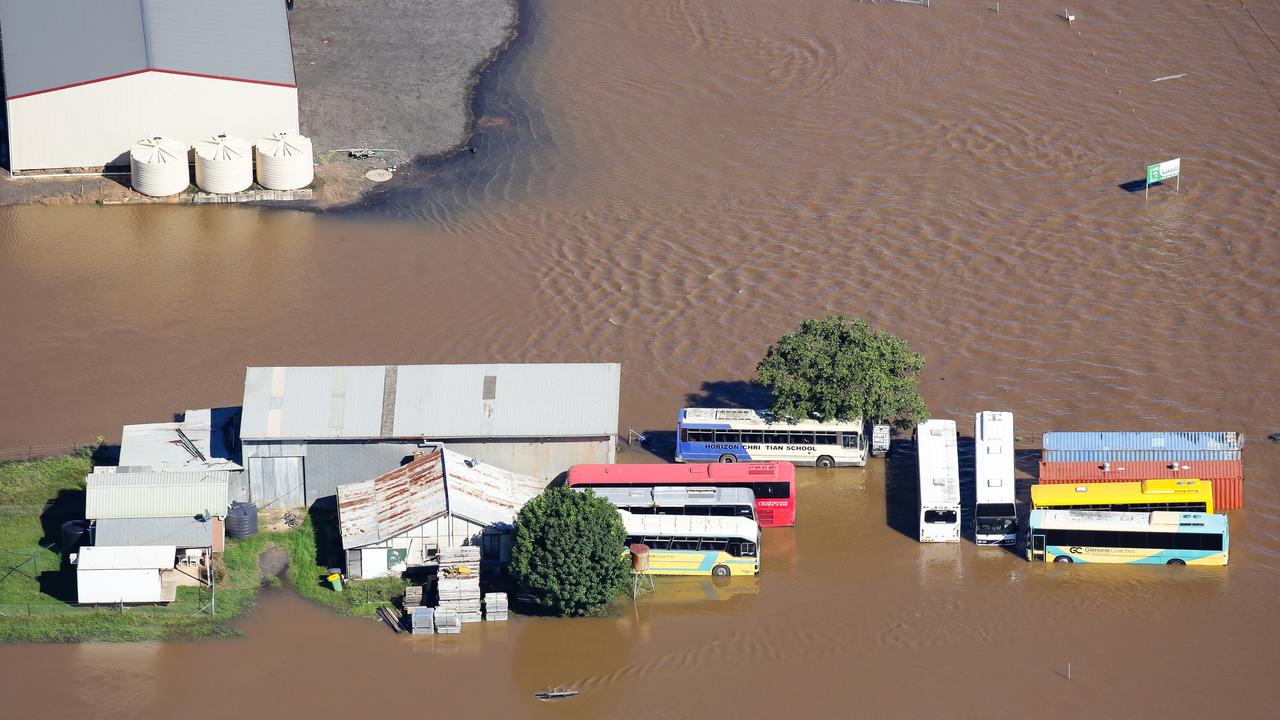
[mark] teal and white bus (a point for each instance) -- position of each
(1154, 538)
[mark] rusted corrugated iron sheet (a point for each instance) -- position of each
(374, 510)
(1227, 476)
(486, 494)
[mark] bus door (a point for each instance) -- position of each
(1037, 547)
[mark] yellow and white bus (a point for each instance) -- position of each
(1146, 496)
(696, 544)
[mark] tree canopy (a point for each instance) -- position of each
(568, 551)
(839, 368)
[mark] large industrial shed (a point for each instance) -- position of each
(86, 79)
(306, 430)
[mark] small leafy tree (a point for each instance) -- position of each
(568, 551)
(839, 368)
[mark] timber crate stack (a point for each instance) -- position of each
(495, 606)
(447, 621)
(422, 620)
(412, 597)
(459, 584)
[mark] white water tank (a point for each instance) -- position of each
(284, 161)
(158, 166)
(224, 164)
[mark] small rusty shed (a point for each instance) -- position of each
(403, 518)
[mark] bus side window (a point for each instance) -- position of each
(752, 437)
(701, 436)
(851, 440)
(727, 436)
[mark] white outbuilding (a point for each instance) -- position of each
(125, 574)
(86, 79)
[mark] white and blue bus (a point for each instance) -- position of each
(1155, 538)
(738, 435)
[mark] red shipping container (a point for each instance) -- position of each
(1227, 476)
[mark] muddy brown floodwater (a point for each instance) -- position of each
(673, 185)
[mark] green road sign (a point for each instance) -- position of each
(1166, 170)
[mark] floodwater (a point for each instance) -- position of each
(673, 185)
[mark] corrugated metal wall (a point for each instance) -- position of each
(542, 460)
(332, 464)
(1227, 476)
(277, 482)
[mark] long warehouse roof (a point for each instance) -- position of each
(437, 402)
(55, 44)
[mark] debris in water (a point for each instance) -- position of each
(1170, 77)
(555, 694)
(1274, 437)
(378, 175)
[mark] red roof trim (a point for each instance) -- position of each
(84, 82)
(144, 70)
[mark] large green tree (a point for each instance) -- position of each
(839, 368)
(568, 551)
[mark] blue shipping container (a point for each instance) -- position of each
(1146, 441)
(1100, 456)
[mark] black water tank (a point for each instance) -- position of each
(73, 534)
(242, 520)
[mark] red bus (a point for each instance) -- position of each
(774, 483)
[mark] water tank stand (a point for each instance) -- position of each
(640, 583)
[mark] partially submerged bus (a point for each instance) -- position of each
(1155, 538)
(995, 516)
(695, 545)
(939, 469)
(680, 500)
(730, 435)
(772, 483)
(1189, 495)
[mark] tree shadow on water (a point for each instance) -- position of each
(730, 393)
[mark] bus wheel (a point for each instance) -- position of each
(1063, 558)
(728, 458)
(824, 461)
(720, 571)
(1176, 561)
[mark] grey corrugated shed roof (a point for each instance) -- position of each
(434, 401)
(186, 532)
(155, 494)
(312, 402)
(51, 44)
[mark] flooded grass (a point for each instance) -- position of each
(38, 591)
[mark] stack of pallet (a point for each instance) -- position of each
(447, 621)
(412, 597)
(464, 560)
(461, 594)
(495, 606)
(459, 583)
(422, 620)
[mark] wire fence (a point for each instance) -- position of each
(40, 452)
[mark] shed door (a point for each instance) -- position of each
(276, 482)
